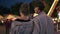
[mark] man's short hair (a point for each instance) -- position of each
(39, 4)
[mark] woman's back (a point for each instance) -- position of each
(22, 27)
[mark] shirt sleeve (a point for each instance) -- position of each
(36, 29)
(12, 28)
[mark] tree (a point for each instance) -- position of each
(15, 8)
(4, 10)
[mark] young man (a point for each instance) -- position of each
(43, 22)
(22, 25)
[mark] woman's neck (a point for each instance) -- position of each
(24, 17)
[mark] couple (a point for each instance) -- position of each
(41, 24)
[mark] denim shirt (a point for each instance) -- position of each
(22, 27)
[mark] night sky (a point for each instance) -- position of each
(9, 3)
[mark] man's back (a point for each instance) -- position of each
(45, 24)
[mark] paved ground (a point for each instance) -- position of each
(2, 29)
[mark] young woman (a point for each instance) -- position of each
(22, 25)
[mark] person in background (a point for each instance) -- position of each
(58, 11)
(58, 21)
(22, 25)
(7, 23)
(43, 22)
